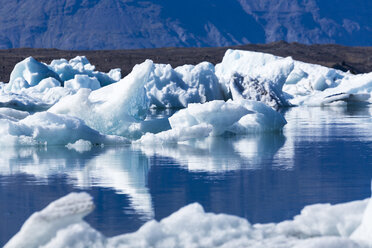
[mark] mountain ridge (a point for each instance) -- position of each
(129, 24)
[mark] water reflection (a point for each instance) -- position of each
(220, 154)
(323, 155)
(120, 169)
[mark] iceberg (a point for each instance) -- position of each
(31, 71)
(114, 108)
(279, 81)
(60, 224)
(255, 76)
(176, 88)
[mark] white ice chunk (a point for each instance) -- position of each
(364, 231)
(302, 82)
(31, 71)
(42, 226)
(232, 116)
(114, 108)
(321, 225)
(176, 88)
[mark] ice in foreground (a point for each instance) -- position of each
(60, 224)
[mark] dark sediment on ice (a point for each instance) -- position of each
(355, 59)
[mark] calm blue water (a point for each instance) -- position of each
(323, 155)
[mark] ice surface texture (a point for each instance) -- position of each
(176, 88)
(60, 224)
(113, 108)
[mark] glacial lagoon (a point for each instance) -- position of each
(323, 155)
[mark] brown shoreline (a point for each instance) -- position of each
(355, 59)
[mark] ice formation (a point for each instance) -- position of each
(32, 72)
(60, 224)
(176, 88)
(288, 81)
(231, 97)
(111, 109)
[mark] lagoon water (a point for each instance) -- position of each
(322, 155)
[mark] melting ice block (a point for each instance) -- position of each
(114, 108)
(31, 71)
(321, 225)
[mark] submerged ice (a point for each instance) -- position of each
(61, 224)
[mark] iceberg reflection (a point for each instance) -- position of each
(218, 154)
(121, 169)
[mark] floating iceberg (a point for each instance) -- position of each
(60, 224)
(176, 88)
(114, 108)
(279, 81)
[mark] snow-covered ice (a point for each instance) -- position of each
(60, 224)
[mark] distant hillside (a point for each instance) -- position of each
(355, 59)
(127, 24)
